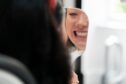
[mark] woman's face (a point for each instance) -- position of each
(77, 27)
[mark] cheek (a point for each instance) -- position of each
(69, 27)
(69, 30)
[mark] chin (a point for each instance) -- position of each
(81, 47)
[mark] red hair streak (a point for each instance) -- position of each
(52, 4)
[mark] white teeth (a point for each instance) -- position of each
(81, 33)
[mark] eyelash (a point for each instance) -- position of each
(73, 14)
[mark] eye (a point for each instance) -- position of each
(73, 14)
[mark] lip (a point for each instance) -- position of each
(80, 34)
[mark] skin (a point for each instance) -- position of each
(76, 27)
(74, 79)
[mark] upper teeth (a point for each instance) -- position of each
(81, 33)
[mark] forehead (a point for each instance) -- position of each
(76, 10)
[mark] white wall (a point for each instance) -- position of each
(69, 3)
(102, 22)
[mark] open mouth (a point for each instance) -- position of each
(81, 34)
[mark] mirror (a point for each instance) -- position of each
(75, 31)
(75, 28)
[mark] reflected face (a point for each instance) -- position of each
(76, 27)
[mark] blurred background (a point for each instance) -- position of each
(105, 60)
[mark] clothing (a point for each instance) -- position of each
(74, 53)
(76, 62)
(77, 69)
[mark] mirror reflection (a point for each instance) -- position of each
(75, 31)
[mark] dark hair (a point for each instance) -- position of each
(78, 3)
(28, 34)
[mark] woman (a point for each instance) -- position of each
(30, 34)
(75, 34)
(75, 31)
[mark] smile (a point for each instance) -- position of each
(80, 34)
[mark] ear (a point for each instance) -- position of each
(52, 5)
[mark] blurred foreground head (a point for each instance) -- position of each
(29, 33)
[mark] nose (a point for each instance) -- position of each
(83, 21)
